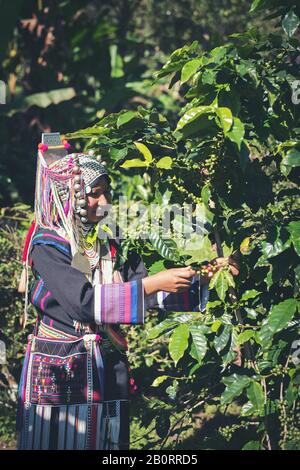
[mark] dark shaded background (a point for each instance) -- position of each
(68, 63)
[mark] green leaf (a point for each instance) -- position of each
(192, 115)
(257, 4)
(294, 230)
(245, 245)
(220, 342)
(157, 330)
(289, 161)
(226, 118)
(159, 380)
(249, 294)
(134, 163)
(219, 281)
(209, 76)
(245, 336)
(124, 118)
(229, 277)
(231, 354)
(275, 247)
(227, 250)
(252, 445)
(42, 99)
(145, 151)
(206, 194)
(215, 326)
(178, 58)
(189, 69)
(165, 163)
(199, 248)
(88, 133)
(185, 318)
(281, 314)
(179, 342)
(204, 217)
(199, 340)
(256, 395)
(237, 132)
(156, 267)
(117, 154)
(290, 23)
(247, 409)
(116, 62)
(235, 384)
(167, 248)
(292, 158)
(264, 336)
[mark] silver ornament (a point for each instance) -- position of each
(79, 195)
(83, 220)
(83, 212)
(76, 169)
(77, 187)
(77, 179)
(82, 202)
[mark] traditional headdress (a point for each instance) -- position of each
(62, 182)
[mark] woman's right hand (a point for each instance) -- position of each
(170, 280)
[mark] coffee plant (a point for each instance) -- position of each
(233, 154)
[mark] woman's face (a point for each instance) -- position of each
(99, 195)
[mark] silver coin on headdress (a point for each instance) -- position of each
(91, 169)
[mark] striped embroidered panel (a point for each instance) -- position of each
(120, 303)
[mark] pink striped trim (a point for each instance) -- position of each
(43, 300)
(127, 287)
(25, 365)
(54, 236)
(37, 288)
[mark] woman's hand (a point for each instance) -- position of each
(170, 280)
(216, 264)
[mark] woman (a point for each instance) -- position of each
(75, 385)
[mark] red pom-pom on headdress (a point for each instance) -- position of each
(43, 147)
(66, 144)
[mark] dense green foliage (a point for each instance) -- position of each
(68, 63)
(233, 149)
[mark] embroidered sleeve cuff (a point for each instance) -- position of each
(120, 303)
